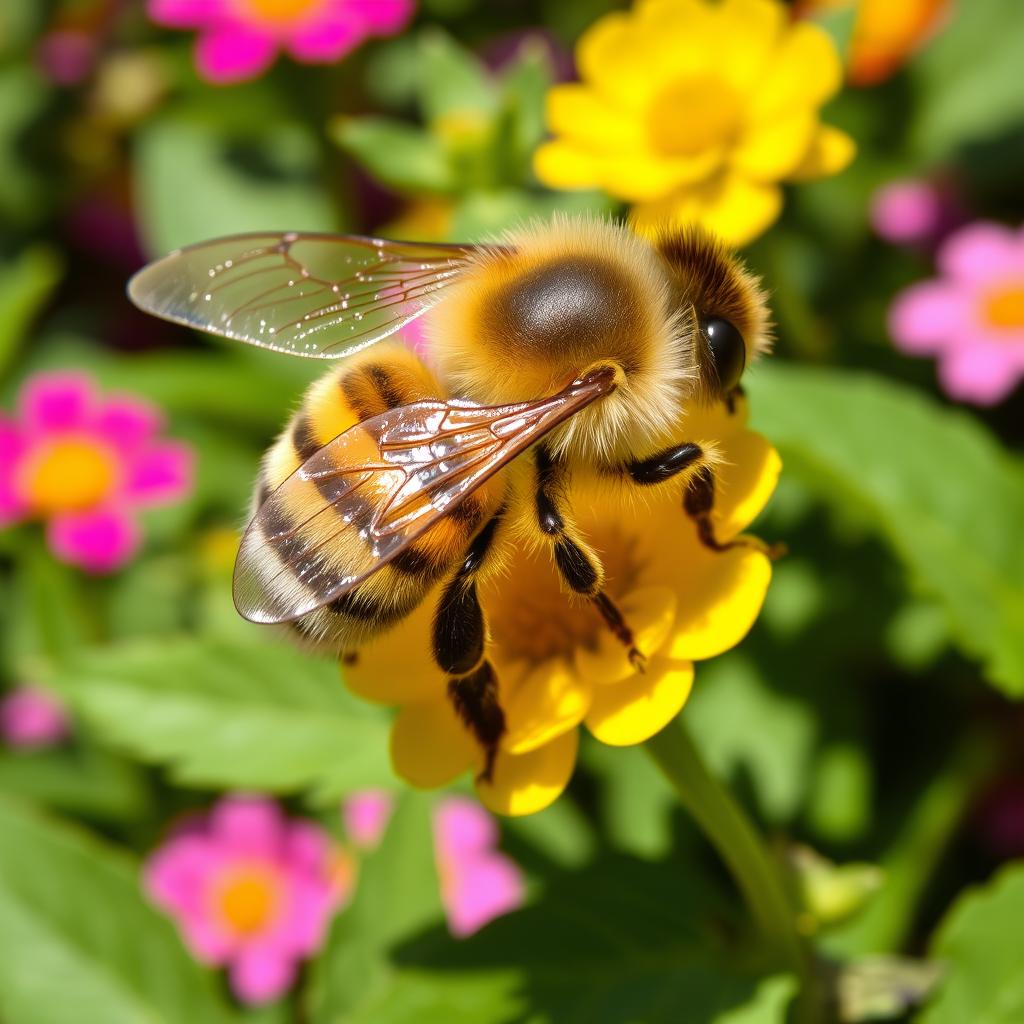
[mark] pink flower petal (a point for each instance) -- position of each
(248, 825)
(175, 877)
(13, 443)
(207, 942)
(161, 474)
(98, 540)
(127, 423)
(981, 251)
(322, 43)
(303, 925)
(307, 848)
(979, 373)
(233, 53)
(13, 446)
(13, 508)
(259, 975)
(31, 717)
(906, 212)
(56, 402)
(462, 829)
(382, 17)
(480, 890)
(366, 815)
(926, 317)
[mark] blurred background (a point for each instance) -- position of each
(871, 721)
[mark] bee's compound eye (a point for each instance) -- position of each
(727, 350)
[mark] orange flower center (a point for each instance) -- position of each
(280, 12)
(694, 114)
(248, 899)
(1004, 307)
(68, 476)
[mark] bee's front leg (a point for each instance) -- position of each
(459, 641)
(699, 491)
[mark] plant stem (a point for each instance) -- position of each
(737, 841)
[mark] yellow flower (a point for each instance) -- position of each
(695, 111)
(557, 663)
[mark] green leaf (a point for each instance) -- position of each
(250, 715)
(24, 96)
(745, 729)
(78, 944)
(981, 942)
(196, 180)
(25, 285)
(452, 80)
(524, 87)
(398, 894)
(398, 155)
(932, 481)
(621, 940)
(961, 98)
(226, 382)
(76, 777)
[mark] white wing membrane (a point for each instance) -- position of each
(315, 295)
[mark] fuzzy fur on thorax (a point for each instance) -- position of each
(485, 351)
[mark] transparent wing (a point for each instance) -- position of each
(316, 295)
(366, 496)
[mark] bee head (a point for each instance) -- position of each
(729, 308)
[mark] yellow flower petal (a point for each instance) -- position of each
(526, 783)
(720, 597)
(632, 176)
(608, 57)
(748, 32)
(565, 165)
(745, 483)
(635, 709)
(774, 149)
(650, 612)
(550, 701)
(831, 150)
(578, 113)
(639, 177)
(430, 746)
(803, 72)
(731, 206)
(397, 667)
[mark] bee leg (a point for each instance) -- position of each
(699, 495)
(579, 567)
(459, 640)
(699, 500)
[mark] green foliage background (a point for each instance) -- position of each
(871, 715)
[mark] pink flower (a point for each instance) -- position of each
(905, 212)
(85, 465)
(971, 317)
(915, 211)
(31, 717)
(251, 890)
(366, 815)
(478, 882)
(240, 39)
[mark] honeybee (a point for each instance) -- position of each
(570, 346)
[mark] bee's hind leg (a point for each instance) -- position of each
(459, 641)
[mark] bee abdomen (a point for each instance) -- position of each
(331, 547)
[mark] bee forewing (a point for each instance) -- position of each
(363, 498)
(316, 295)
